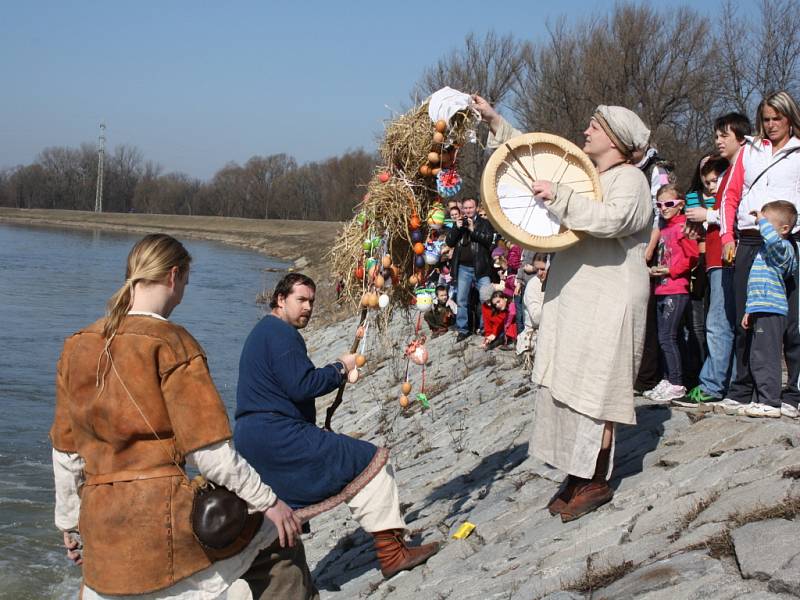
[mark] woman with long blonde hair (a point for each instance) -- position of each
(770, 168)
(134, 402)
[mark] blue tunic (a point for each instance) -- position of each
(276, 429)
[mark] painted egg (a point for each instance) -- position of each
(419, 248)
(406, 388)
(441, 126)
(365, 300)
(433, 158)
(416, 236)
(404, 401)
(361, 218)
(352, 376)
(386, 261)
(420, 355)
(360, 332)
(438, 137)
(415, 222)
(371, 263)
(436, 216)
(359, 272)
(367, 245)
(425, 171)
(424, 299)
(379, 281)
(373, 300)
(361, 360)
(383, 177)
(413, 280)
(383, 301)
(419, 261)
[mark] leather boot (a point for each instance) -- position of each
(393, 554)
(590, 495)
(564, 494)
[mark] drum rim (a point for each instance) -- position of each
(491, 202)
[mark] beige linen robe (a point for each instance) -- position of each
(593, 319)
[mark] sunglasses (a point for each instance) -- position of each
(667, 203)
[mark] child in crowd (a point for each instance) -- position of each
(499, 322)
(442, 313)
(702, 194)
(533, 301)
(676, 253)
(767, 307)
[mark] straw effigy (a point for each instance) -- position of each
(399, 196)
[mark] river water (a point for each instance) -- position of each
(52, 283)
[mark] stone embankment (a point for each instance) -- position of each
(705, 507)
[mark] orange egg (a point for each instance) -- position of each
(413, 280)
(414, 222)
(419, 248)
(433, 158)
(379, 281)
(438, 137)
(425, 171)
(435, 172)
(361, 360)
(365, 300)
(441, 126)
(373, 300)
(359, 272)
(404, 402)
(406, 388)
(386, 261)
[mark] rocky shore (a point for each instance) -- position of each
(705, 507)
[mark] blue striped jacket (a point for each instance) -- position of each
(775, 262)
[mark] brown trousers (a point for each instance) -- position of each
(281, 573)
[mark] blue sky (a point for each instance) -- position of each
(197, 84)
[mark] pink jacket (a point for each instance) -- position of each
(677, 252)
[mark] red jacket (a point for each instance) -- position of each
(502, 322)
(677, 252)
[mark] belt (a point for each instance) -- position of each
(134, 475)
(749, 233)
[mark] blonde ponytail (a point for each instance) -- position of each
(150, 261)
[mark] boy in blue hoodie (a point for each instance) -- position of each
(767, 307)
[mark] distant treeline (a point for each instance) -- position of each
(273, 187)
(678, 68)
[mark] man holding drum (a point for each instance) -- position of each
(593, 319)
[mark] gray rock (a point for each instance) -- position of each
(662, 574)
(765, 547)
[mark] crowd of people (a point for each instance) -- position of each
(723, 264)
(484, 284)
(722, 260)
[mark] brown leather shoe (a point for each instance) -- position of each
(394, 556)
(564, 494)
(588, 497)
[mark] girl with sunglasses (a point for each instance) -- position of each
(676, 255)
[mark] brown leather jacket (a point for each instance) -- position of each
(135, 504)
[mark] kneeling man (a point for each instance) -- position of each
(308, 467)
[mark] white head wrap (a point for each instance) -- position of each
(624, 127)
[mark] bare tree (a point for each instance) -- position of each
(489, 66)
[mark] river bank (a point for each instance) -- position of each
(303, 243)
